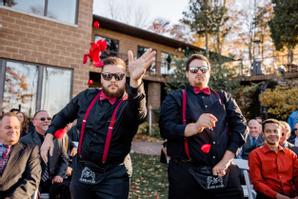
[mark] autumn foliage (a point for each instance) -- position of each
(280, 102)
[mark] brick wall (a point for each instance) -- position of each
(25, 37)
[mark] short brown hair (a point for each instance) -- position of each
(270, 121)
(196, 56)
(9, 114)
(114, 61)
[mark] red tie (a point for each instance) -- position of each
(205, 90)
(111, 100)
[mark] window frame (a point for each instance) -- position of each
(45, 10)
(40, 68)
(105, 37)
(161, 66)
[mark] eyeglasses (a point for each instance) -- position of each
(196, 69)
(295, 129)
(45, 118)
(109, 76)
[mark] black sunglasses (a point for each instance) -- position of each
(109, 76)
(295, 129)
(196, 69)
(45, 118)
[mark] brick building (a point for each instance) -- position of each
(41, 50)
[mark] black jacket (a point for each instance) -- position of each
(129, 115)
(58, 162)
(21, 176)
(248, 146)
(229, 133)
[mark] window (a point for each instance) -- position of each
(33, 87)
(167, 63)
(113, 46)
(141, 51)
(54, 96)
(20, 87)
(61, 10)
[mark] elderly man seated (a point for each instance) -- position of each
(19, 163)
(253, 140)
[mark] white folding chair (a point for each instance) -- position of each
(248, 190)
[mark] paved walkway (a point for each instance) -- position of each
(149, 148)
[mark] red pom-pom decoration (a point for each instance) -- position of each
(206, 148)
(90, 82)
(59, 133)
(96, 24)
(95, 52)
(85, 58)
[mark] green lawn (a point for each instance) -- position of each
(149, 177)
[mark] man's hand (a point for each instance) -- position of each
(68, 171)
(206, 120)
(137, 67)
(74, 151)
(57, 180)
(47, 147)
(280, 196)
(221, 167)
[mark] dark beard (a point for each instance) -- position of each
(118, 94)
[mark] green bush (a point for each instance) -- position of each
(144, 129)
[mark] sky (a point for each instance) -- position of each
(168, 9)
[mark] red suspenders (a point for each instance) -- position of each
(184, 99)
(110, 128)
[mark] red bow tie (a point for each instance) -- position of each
(111, 100)
(205, 90)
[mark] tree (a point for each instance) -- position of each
(280, 102)
(127, 11)
(283, 26)
(206, 17)
(176, 31)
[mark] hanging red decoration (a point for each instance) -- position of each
(96, 24)
(90, 82)
(206, 148)
(95, 52)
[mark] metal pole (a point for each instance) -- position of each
(150, 119)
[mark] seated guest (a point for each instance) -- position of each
(253, 140)
(285, 134)
(24, 123)
(273, 168)
(53, 172)
(294, 140)
(19, 163)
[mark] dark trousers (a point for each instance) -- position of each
(91, 181)
(182, 184)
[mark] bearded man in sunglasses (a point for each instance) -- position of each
(204, 129)
(108, 118)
